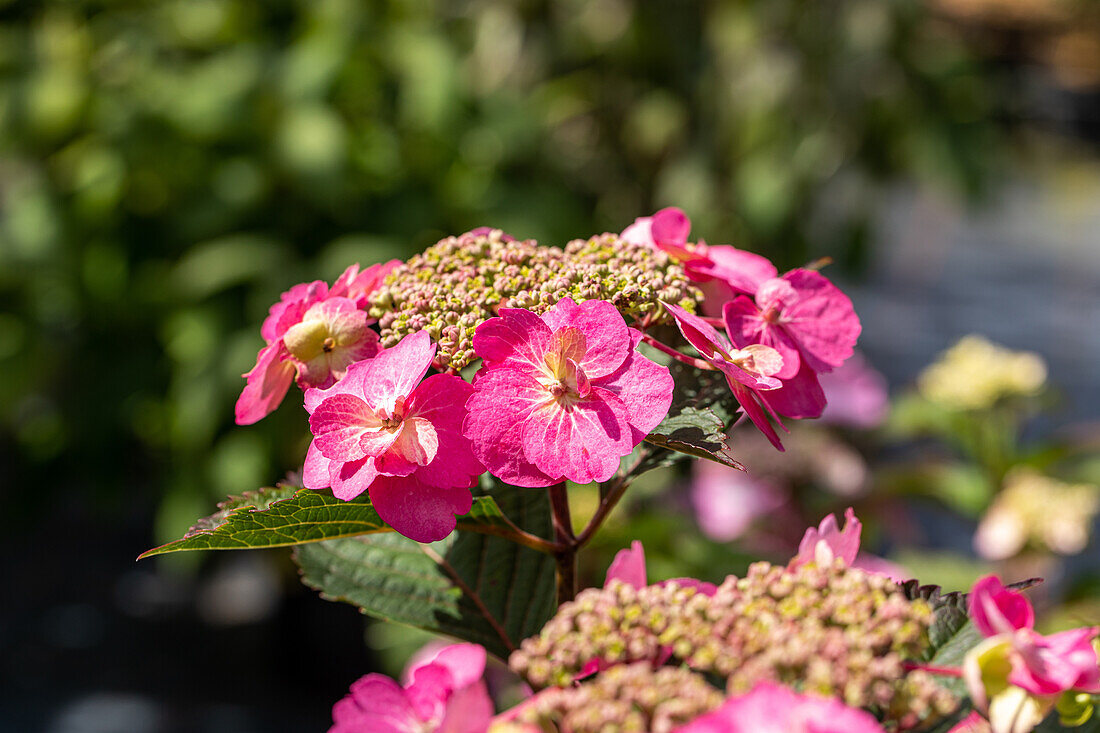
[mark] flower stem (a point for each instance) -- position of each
(697, 363)
(566, 555)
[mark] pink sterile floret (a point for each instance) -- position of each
(749, 371)
(809, 322)
(313, 334)
(828, 542)
(1041, 665)
(562, 396)
(443, 694)
(771, 708)
(384, 431)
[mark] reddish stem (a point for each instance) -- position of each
(698, 363)
(932, 669)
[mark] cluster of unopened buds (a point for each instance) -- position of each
(561, 390)
(816, 646)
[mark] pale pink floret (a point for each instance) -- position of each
(1041, 665)
(771, 708)
(313, 334)
(358, 284)
(748, 371)
(827, 542)
(384, 431)
(443, 694)
(562, 396)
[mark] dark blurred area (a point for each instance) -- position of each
(167, 169)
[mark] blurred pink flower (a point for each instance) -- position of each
(727, 501)
(748, 371)
(857, 394)
(441, 694)
(383, 430)
(313, 335)
(771, 708)
(1041, 665)
(562, 396)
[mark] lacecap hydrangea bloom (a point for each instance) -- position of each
(562, 396)
(384, 431)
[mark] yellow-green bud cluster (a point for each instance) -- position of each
(459, 282)
(831, 630)
(627, 698)
(619, 623)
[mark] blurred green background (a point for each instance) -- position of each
(167, 169)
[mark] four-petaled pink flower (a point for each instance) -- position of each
(1040, 665)
(809, 322)
(562, 396)
(749, 371)
(313, 334)
(384, 431)
(443, 694)
(772, 708)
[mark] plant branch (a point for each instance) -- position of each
(608, 502)
(471, 594)
(514, 534)
(566, 556)
(697, 363)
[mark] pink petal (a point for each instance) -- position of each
(856, 394)
(355, 382)
(1048, 665)
(501, 403)
(840, 544)
(338, 424)
(417, 444)
(606, 336)
(431, 686)
(470, 710)
(771, 708)
(420, 512)
(441, 399)
(291, 307)
(466, 663)
(881, 566)
(628, 566)
(973, 723)
(800, 396)
(375, 703)
(315, 472)
(699, 333)
(742, 271)
(746, 326)
(349, 480)
(267, 384)
(998, 610)
(640, 232)
(517, 338)
(583, 444)
(748, 399)
(645, 387)
(822, 320)
(395, 372)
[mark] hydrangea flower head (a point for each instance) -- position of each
(384, 431)
(313, 334)
(444, 694)
(771, 708)
(562, 396)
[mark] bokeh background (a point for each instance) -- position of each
(167, 169)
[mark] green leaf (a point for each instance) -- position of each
(475, 587)
(288, 515)
(702, 410)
